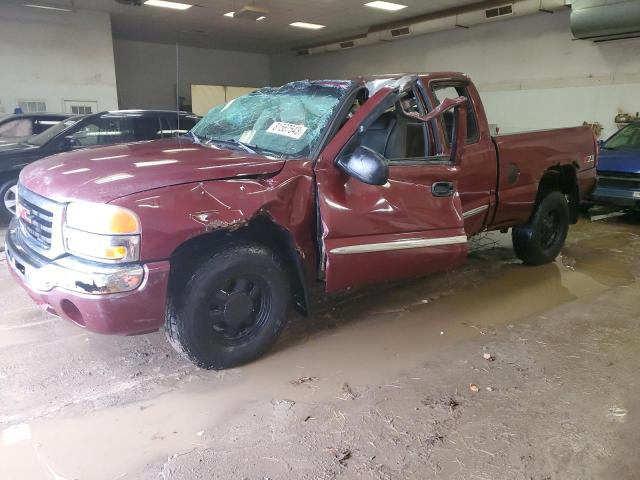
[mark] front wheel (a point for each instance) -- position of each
(231, 310)
(9, 196)
(541, 240)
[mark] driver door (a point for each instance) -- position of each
(408, 227)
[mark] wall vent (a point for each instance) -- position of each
(501, 11)
(400, 32)
(347, 44)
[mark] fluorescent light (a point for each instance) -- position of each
(46, 7)
(389, 6)
(310, 26)
(233, 14)
(167, 4)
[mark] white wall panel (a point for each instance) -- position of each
(147, 72)
(530, 72)
(55, 56)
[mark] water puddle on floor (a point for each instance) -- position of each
(365, 339)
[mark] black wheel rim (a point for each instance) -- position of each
(549, 229)
(238, 309)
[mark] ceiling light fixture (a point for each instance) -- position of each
(249, 12)
(47, 7)
(167, 4)
(309, 26)
(388, 6)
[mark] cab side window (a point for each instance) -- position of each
(104, 131)
(443, 92)
(394, 136)
(40, 125)
(146, 128)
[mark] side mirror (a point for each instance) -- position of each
(365, 165)
(68, 142)
(600, 143)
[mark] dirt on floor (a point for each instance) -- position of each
(494, 371)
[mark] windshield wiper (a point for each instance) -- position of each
(193, 136)
(232, 142)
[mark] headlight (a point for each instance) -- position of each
(102, 232)
(102, 219)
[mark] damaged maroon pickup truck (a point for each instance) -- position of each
(341, 183)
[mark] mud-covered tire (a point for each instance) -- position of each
(541, 240)
(7, 191)
(231, 309)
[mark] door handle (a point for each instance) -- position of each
(442, 189)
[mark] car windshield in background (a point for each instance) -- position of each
(284, 122)
(48, 134)
(626, 139)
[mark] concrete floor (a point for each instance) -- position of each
(376, 386)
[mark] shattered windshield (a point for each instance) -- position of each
(626, 139)
(285, 122)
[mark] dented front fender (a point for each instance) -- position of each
(173, 215)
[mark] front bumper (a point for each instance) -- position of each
(626, 198)
(118, 299)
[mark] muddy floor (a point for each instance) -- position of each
(494, 371)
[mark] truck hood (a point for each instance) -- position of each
(106, 173)
(619, 161)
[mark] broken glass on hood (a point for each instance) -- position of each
(284, 122)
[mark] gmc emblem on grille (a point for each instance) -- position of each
(24, 214)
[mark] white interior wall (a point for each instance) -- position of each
(147, 71)
(55, 56)
(530, 73)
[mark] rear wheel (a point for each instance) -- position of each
(231, 310)
(9, 196)
(541, 240)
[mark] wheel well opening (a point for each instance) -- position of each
(261, 229)
(564, 179)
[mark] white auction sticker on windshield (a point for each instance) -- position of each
(291, 130)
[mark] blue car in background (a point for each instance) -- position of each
(619, 169)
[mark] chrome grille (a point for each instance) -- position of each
(619, 180)
(37, 223)
(40, 221)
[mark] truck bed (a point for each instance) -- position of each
(524, 157)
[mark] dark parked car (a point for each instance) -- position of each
(619, 169)
(104, 128)
(27, 124)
